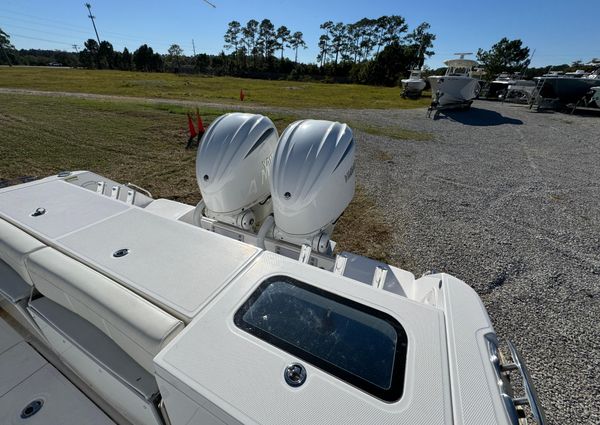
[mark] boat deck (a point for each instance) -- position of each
(33, 392)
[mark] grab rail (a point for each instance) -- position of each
(531, 397)
(503, 369)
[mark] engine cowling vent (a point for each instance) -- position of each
(312, 179)
(232, 168)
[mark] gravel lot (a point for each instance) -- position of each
(506, 199)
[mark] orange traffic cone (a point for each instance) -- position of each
(191, 127)
(200, 123)
(201, 128)
(192, 130)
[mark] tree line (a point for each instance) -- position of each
(104, 56)
(355, 51)
(260, 41)
(363, 40)
(369, 51)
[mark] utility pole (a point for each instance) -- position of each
(193, 47)
(89, 7)
(76, 48)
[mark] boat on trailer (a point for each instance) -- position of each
(413, 86)
(567, 89)
(239, 310)
(457, 88)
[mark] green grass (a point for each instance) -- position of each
(137, 143)
(127, 141)
(141, 143)
(199, 88)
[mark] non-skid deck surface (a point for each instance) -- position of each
(25, 376)
(174, 265)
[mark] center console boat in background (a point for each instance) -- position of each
(413, 86)
(458, 87)
(239, 310)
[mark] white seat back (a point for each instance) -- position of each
(140, 328)
(15, 245)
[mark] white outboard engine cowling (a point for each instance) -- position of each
(312, 181)
(232, 169)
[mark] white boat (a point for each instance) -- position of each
(594, 75)
(414, 85)
(457, 88)
(510, 88)
(236, 310)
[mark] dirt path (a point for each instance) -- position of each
(362, 115)
(132, 99)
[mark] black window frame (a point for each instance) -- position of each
(392, 394)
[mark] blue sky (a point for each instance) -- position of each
(560, 31)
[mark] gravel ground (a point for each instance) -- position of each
(506, 199)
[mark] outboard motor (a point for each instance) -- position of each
(232, 169)
(312, 181)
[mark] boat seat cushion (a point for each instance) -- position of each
(168, 209)
(12, 286)
(140, 328)
(96, 345)
(15, 245)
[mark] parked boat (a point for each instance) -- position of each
(520, 91)
(510, 88)
(414, 85)
(457, 88)
(236, 310)
(567, 89)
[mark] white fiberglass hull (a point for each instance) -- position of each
(410, 85)
(453, 90)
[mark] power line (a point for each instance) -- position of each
(45, 19)
(45, 24)
(41, 39)
(120, 37)
(71, 43)
(43, 31)
(123, 38)
(63, 25)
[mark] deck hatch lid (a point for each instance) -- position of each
(355, 343)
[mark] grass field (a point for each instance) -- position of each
(140, 143)
(292, 94)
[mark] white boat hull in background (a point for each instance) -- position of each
(412, 86)
(453, 90)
